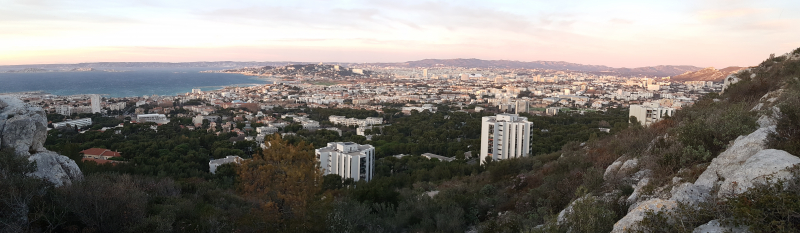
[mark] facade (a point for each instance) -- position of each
(213, 164)
(348, 160)
(95, 103)
(505, 136)
(65, 110)
(649, 113)
(99, 153)
(80, 123)
(522, 106)
(156, 118)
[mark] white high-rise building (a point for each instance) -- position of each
(95, 103)
(505, 136)
(65, 110)
(424, 73)
(348, 160)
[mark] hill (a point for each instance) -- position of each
(707, 74)
(664, 70)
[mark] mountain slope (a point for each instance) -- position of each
(663, 70)
(707, 74)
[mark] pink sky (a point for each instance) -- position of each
(615, 33)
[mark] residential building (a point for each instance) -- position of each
(155, 118)
(649, 113)
(96, 103)
(348, 160)
(65, 110)
(100, 153)
(80, 123)
(213, 164)
(504, 136)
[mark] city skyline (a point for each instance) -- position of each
(614, 33)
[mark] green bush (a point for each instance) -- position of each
(589, 215)
(787, 134)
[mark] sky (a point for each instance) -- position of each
(615, 33)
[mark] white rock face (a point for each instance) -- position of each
(727, 164)
(763, 167)
(24, 128)
(689, 193)
(57, 169)
(612, 169)
(636, 215)
(715, 226)
(630, 164)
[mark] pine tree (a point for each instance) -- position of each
(282, 180)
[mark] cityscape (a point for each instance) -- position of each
(412, 116)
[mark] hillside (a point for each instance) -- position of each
(552, 65)
(707, 74)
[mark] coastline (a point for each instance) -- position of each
(124, 84)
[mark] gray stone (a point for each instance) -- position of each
(612, 169)
(728, 162)
(632, 219)
(766, 166)
(715, 226)
(630, 164)
(689, 193)
(55, 168)
(22, 127)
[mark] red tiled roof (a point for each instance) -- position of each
(100, 152)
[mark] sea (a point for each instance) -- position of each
(162, 82)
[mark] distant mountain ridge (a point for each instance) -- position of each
(707, 74)
(663, 70)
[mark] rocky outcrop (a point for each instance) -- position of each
(764, 167)
(631, 220)
(714, 226)
(55, 168)
(729, 162)
(24, 129)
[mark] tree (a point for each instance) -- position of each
(282, 180)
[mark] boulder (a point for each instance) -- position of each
(689, 193)
(55, 168)
(715, 226)
(632, 219)
(22, 127)
(764, 167)
(727, 164)
(612, 169)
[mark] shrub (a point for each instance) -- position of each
(787, 134)
(589, 215)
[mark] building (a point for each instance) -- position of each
(100, 153)
(522, 106)
(95, 103)
(65, 110)
(213, 164)
(155, 118)
(80, 123)
(439, 157)
(348, 160)
(504, 136)
(552, 111)
(649, 113)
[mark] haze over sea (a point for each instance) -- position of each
(123, 84)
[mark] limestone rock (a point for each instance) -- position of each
(765, 166)
(632, 219)
(689, 193)
(612, 169)
(55, 168)
(630, 164)
(715, 226)
(22, 127)
(727, 164)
